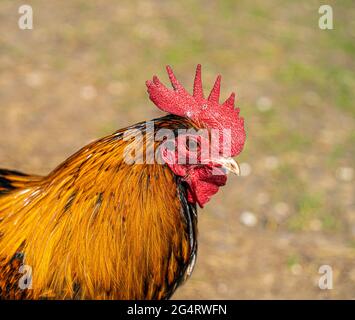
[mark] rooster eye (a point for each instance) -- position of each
(192, 144)
(170, 145)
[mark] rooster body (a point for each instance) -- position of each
(98, 227)
(85, 233)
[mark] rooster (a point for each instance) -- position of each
(109, 223)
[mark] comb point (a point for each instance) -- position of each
(214, 95)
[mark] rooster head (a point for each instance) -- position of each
(203, 158)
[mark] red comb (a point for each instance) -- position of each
(207, 112)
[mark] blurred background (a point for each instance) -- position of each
(80, 73)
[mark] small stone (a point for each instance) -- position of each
(245, 169)
(264, 104)
(271, 162)
(248, 218)
(88, 92)
(345, 174)
(34, 79)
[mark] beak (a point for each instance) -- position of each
(229, 164)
